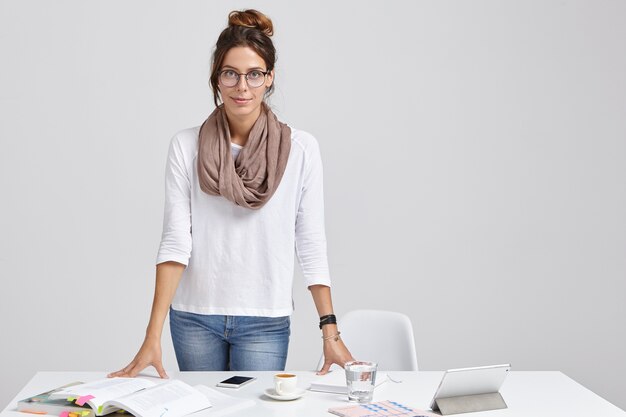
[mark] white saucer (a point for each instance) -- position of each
(271, 392)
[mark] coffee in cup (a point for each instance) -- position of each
(285, 384)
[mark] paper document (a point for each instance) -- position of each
(224, 404)
(335, 382)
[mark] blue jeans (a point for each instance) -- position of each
(229, 343)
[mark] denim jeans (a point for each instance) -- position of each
(229, 343)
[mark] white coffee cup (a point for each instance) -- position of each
(285, 384)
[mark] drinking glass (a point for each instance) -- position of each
(361, 380)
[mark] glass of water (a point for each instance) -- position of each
(361, 380)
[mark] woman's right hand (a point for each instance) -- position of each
(167, 277)
(149, 354)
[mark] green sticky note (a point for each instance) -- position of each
(71, 398)
(100, 410)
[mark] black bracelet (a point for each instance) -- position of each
(328, 319)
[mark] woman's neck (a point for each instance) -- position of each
(240, 126)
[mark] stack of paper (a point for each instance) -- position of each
(335, 382)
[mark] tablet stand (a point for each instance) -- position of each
(470, 403)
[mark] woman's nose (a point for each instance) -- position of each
(242, 83)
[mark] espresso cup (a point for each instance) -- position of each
(285, 384)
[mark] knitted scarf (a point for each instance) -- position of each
(250, 180)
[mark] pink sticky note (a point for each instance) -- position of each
(82, 400)
(64, 414)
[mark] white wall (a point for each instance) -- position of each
(475, 162)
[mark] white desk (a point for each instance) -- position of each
(528, 394)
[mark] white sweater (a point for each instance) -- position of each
(241, 261)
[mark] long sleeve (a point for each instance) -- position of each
(310, 234)
(176, 237)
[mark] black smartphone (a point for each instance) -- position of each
(236, 381)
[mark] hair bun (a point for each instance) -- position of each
(251, 19)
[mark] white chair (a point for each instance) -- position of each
(385, 337)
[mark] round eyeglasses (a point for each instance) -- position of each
(254, 78)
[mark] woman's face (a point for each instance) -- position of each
(242, 100)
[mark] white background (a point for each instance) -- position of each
(475, 172)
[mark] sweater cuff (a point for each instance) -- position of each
(317, 280)
(181, 259)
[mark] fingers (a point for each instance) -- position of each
(343, 362)
(130, 371)
(133, 369)
(159, 368)
(122, 372)
(325, 368)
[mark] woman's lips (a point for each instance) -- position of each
(240, 100)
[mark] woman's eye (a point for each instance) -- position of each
(230, 73)
(255, 74)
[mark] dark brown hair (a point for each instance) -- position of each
(245, 28)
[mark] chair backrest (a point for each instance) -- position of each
(385, 337)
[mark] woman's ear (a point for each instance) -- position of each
(270, 79)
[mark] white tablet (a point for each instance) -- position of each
(470, 381)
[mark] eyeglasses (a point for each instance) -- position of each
(254, 78)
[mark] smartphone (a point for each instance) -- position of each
(236, 381)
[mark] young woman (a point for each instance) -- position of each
(242, 191)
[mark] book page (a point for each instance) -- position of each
(224, 404)
(104, 390)
(170, 399)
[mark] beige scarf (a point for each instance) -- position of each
(252, 179)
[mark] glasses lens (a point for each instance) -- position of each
(229, 78)
(255, 78)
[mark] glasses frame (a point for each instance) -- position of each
(239, 74)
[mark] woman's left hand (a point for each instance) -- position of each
(335, 351)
